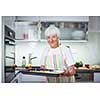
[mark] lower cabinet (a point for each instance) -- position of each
(80, 77)
(33, 79)
(96, 77)
(84, 77)
(26, 78)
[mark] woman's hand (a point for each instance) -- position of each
(42, 67)
(72, 70)
(66, 72)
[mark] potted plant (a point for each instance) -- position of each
(78, 64)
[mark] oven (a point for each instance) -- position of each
(9, 55)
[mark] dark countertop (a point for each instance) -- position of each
(41, 73)
(96, 71)
(87, 71)
(77, 70)
(84, 71)
(37, 71)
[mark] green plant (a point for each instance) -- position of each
(78, 64)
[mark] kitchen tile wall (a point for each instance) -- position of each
(88, 52)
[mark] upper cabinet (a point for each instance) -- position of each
(33, 27)
(9, 21)
(94, 24)
(27, 31)
(27, 18)
(69, 30)
(53, 18)
(65, 18)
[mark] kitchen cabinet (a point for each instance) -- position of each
(94, 24)
(25, 78)
(65, 18)
(32, 28)
(33, 79)
(27, 31)
(69, 30)
(9, 21)
(52, 18)
(84, 76)
(97, 77)
(27, 18)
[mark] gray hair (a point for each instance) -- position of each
(52, 30)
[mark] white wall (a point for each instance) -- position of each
(23, 49)
(88, 52)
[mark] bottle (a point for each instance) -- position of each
(23, 61)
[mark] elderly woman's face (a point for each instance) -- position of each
(53, 41)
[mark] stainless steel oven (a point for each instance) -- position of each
(9, 54)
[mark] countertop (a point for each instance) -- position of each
(87, 71)
(20, 68)
(37, 71)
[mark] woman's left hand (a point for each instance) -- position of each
(66, 72)
(72, 70)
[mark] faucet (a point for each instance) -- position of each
(30, 58)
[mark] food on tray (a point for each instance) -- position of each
(95, 67)
(84, 68)
(87, 65)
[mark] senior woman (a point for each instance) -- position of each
(57, 56)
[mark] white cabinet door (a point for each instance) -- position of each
(27, 18)
(65, 18)
(26, 31)
(97, 77)
(94, 24)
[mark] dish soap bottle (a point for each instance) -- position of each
(23, 61)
